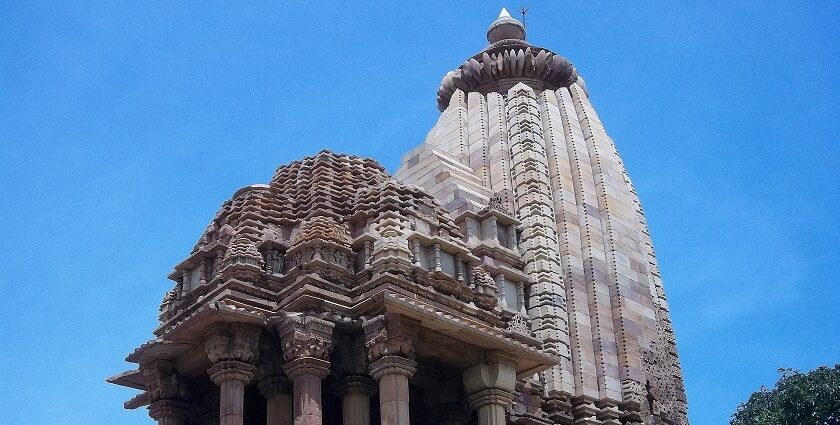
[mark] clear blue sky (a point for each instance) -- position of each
(124, 127)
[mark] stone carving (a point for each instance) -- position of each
(390, 335)
(162, 381)
(243, 252)
(519, 325)
(633, 394)
(304, 336)
(273, 261)
(234, 341)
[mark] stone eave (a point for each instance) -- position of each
(191, 329)
(437, 318)
(215, 290)
(157, 349)
(494, 249)
(130, 378)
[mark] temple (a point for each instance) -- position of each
(503, 275)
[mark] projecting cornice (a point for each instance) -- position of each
(508, 59)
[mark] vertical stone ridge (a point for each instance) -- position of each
(498, 152)
(533, 200)
(581, 365)
(592, 256)
(477, 121)
(627, 263)
(451, 132)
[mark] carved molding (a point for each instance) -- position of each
(227, 370)
(390, 335)
(305, 336)
(393, 365)
(274, 384)
(169, 411)
(162, 381)
(235, 341)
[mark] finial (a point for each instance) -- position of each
(505, 28)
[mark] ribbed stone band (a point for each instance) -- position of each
(307, 366)
(355, 384)
(274, 384)
(168, 408)
(491, 396)
(393, 365)
(232, 370)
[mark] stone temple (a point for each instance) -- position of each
(503, 275)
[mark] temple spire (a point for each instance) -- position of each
(505, 27)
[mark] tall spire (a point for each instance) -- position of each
(505, 28)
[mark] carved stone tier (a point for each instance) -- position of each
(355, 392)
(169, 412)
(277, 391)
(393, 373)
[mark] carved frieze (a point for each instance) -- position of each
(390, 335)
(162, 381)
(234, 341)
(305, 336)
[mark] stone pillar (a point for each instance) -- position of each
(231, 376)
(306, 343)
(355, 391)
(490, 386)
(277, 391)
(390, 342)
(393, 373)
(232, 348)
(169, 412)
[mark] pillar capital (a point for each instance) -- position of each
(232, 370)
(274, 384)
(390, 335)
(169, 411)
(307, 366)
(393, 365)
(305, 337)
(490, 386)
(232, 341)
(162, 381)
(355, 384)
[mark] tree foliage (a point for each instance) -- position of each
(811, 398)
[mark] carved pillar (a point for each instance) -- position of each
(277, 391)
(306, 343)
(437, 257)
(165, 392)
(490, 386)
(415, 246)
(232, 349)
(186, 283)
(355, 391)
(500, 287)
(390, 342)
(520, 297)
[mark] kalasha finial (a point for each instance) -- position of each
(505, 28)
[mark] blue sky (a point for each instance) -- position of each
(124, 127)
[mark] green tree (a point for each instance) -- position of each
(811, 398)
